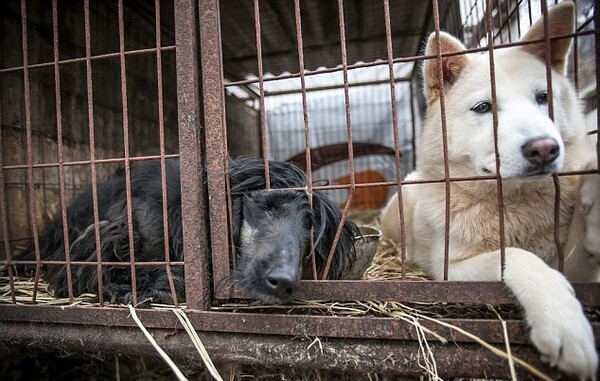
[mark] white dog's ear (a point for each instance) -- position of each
(451, 65)
(561, 21)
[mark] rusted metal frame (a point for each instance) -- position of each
(370, 327)
(213, 103)
(548, 61)
(306, 122)
(84, 59)
(335, 87)
(347, 327)
(60, 153)
(413, 118)
(261, 94)
(161, 137)
(193, 189)
(351, 169)
(440, 76)
(499, 185)
(88, 263)
(29, 154)
(428, 181)
(342, 355)
(92, 134)
(88, 162)
(390, 57)
(125, 114)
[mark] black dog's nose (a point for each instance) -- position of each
(541, 151)
(282, 282)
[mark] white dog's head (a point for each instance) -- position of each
(529, 142)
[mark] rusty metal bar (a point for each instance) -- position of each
(343, 355)
(84, 59)
(29, 154)
(427, 292)
(335, 87)
(390, 57)
(261, 95)
(193, 190)
(87, 162)
(499, 186)
(87, 263)
(351, 171)
(60, 153)
(92, 134)
(365, 328)
(306, 122)
(161, 137)
(126, 154)
(440, 75)
(213, 99)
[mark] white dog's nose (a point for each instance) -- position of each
(541, 151)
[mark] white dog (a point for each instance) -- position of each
(531, 146)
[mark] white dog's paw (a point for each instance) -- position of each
(561, 332)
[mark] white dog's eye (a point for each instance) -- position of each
(541, 97)
(482, 107)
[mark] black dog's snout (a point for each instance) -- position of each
(541, 151)
(282, 281)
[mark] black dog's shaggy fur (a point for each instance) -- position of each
(271, 234)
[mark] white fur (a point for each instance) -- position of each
(559, 328)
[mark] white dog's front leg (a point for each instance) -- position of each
(559, 328)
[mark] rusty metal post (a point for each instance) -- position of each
(213, 100)
(193, 192)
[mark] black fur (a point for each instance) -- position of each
(271, 234)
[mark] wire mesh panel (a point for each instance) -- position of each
(127, 125)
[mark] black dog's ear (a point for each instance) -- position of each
(326, 220)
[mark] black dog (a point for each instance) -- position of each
(271, 234)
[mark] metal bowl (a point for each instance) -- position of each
(366, 247)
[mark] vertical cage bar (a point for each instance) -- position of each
(390, 57)
(60, 153)
(351, 171)
(261, 98)
(92, 134)
(309, 181)
(126, 152)
(193, 191)
(556, 182)
(499, 187)
(29, 150)
(215, 134)
(161, 137)
(440, 74)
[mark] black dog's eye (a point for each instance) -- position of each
(541, 97)
(482, 107)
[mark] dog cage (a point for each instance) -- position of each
(92, 88)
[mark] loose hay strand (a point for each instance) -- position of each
(511, 363)
(491, 348)
(197, 343)
(160, 351)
